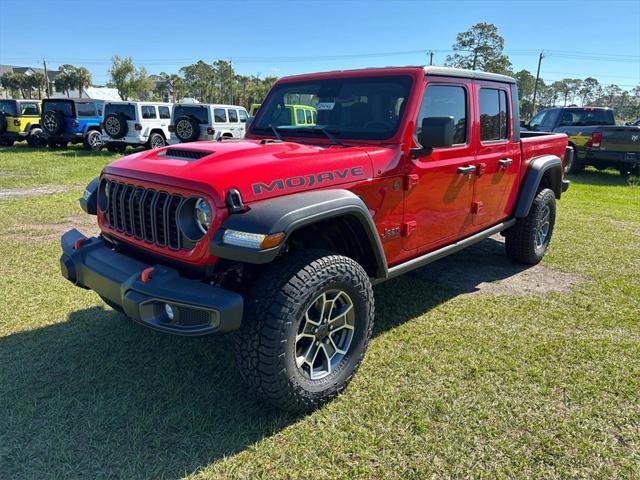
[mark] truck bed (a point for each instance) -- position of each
(536, 144)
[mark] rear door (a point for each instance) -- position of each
(497, 155)
(439, 187)
(234, 122)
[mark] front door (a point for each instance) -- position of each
(439, 188)
(498, 156)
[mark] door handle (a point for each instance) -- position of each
(505, 162)
(466, 170)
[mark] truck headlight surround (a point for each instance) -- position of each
(195, 217)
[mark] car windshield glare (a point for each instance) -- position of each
(357, 108)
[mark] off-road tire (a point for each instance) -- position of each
(184, 124)
(156, 140)
(52, 122)
(35, 138)
(520, 240)
(576, 166)
(89, 140)
(115, 125)
(265, 344)
(116, 147)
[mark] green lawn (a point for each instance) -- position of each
(453, 385)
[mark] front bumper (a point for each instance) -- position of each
(199, 308)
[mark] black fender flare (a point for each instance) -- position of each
(537, 169)
(89, 199)
(292, 212)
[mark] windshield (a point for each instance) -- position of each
(66, 108)
(127, 110)
(359, 108)
(8, 107)
(200, 113)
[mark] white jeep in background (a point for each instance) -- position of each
(201, 121)
(136, 124)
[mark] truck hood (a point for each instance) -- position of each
(258, 170)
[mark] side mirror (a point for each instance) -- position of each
(436, 132)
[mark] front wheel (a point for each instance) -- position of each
(35, 138)
(527, 241)
(307, 326)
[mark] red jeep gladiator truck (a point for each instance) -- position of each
(281, 236)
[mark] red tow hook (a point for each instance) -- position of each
(78, 243)
(145, 276)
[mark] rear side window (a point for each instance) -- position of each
(65, 108)
(8, 107)
(29, 108)
(220, 115)
(243, 116)
(308, 116)
(233, 116)
(493, 114)
(86, 109)
(127, 110)
(200, 113)
(165, 112)
(584, 117)
(445, 101)
(148, 112)
(299, 115)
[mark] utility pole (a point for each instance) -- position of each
(535, 87)
(231, 82)
(46, 77)
(430, 57)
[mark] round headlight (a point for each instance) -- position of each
(204, 214)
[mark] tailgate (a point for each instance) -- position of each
(620, 139)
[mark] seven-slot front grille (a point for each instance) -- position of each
(145, 214)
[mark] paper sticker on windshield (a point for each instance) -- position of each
(326, 105)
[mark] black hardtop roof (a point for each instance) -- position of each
(74, 100)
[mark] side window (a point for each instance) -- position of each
(164, 112)
(307, 114)
(148, 112)
(86, 109)
(299, 116)
(220, 115)
(233, 115)
(536, 121)
(493, 114)
(243, 116)
(30, 108)
(445, 101)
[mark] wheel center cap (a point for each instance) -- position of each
(323, 331)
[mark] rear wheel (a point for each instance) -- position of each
(527, 241)
(36, 138)
(92, 140)
(307, 326)
(156, 141)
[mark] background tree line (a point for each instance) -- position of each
(479, 48)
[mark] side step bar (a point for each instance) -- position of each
(448, 250)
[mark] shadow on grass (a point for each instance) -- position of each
(603, 178)
(99, 396)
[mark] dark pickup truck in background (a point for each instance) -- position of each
(579, 123)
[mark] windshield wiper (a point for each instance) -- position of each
(323, 130)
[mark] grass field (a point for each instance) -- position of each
(540, 380)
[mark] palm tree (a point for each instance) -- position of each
(82, 78)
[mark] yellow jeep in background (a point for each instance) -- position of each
(20, 120)
(296, 115)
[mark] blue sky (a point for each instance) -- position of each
(582, 38)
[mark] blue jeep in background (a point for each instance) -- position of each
(68, 120)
